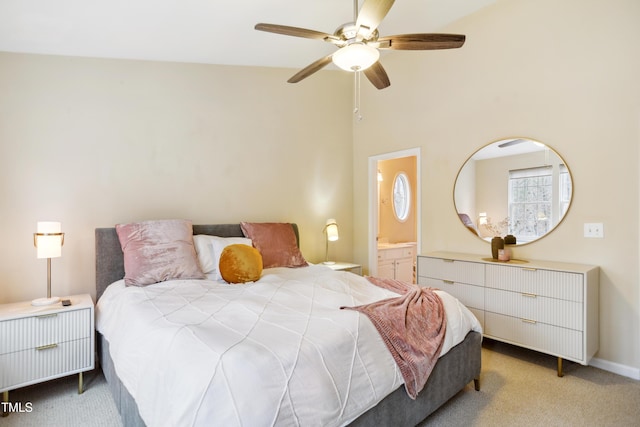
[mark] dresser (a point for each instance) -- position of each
(551, 307)
(397, 261)
(42, 343)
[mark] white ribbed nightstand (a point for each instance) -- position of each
(42, 343)
(345, 266)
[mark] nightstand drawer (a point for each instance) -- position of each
(46, 362)
(44, 329)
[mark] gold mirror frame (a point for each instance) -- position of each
(481, 190)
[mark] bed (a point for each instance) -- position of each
(382, 401)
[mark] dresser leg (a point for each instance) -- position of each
(476, 384)
(80, 384)
(5, 399)
(560, 373)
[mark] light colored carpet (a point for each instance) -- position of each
(518, 388)
(57, 403)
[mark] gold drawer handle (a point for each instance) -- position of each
(528, 295)
(46, 316)
(533, 322)
(529, 269)
(448, 282)
(448, 260)
(46, 347)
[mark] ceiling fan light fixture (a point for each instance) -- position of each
(356, 57)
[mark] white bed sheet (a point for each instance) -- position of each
(275, 352)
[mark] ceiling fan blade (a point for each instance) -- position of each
(377, 76)
(423, 41)
(310, 69)
(371, 15)
(511, 142)
(293, 31)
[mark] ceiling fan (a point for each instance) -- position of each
(510, 142)
(358, 42)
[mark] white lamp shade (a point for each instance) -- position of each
(48, 239)
(332, 230)
(356, 57)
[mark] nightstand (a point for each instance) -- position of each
(42, 343)
(346, 266)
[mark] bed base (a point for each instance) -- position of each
(452, 373)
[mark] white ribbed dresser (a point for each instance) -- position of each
(546, 306)
(42, 343)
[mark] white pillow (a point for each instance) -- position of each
(209, 249)
(219, 243)
(204, 250)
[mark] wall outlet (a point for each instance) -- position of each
(594, 229)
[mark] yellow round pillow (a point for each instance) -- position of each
(240, 264)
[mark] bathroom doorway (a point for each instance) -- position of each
(394, 214)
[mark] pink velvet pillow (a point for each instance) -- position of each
(155, 251)
(276, 242)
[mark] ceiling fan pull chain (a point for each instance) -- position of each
(356, 95)
(356, 101)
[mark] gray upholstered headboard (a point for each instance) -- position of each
(110, 259)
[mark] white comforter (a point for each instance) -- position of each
(275, 352)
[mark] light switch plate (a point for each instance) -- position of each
(594, 229)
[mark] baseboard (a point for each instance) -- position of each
(616, 368)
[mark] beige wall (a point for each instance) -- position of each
(565, 73)
(92, 143)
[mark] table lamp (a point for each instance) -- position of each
(48, 241)
(331, 231)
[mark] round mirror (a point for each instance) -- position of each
(401, 196)
(514, 186)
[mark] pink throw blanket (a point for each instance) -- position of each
(412, 326)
